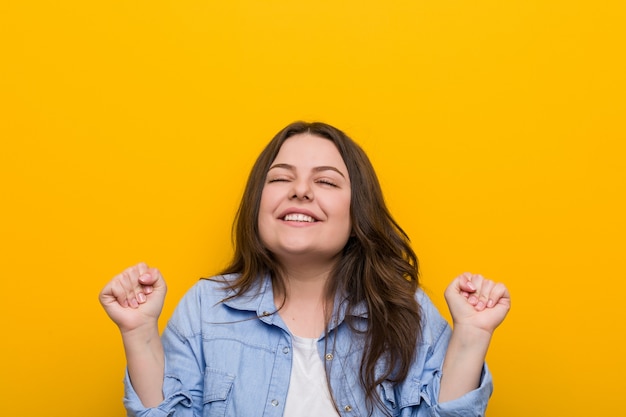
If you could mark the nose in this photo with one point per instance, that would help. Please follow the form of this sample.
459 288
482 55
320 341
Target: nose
301 190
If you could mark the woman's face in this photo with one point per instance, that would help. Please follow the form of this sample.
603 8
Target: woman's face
304 214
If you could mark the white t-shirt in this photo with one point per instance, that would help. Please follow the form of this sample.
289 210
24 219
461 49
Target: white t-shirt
308 393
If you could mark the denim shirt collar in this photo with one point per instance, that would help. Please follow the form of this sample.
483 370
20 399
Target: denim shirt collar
260 299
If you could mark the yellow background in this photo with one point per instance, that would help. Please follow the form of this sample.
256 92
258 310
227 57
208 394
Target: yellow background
497 128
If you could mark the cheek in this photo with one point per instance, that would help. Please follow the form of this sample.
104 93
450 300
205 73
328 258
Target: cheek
264 211
345 214
265 205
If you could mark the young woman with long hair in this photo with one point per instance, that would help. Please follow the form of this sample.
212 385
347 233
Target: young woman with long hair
319 312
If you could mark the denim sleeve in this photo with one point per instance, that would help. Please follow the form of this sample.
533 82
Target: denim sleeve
473 404
184 376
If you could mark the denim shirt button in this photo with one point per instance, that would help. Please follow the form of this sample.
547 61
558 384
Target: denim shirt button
275 403
285 350
348 408
329 356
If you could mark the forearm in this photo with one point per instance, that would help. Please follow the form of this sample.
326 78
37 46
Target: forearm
146 363
463 363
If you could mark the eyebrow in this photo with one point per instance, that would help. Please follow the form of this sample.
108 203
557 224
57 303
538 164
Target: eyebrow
315 169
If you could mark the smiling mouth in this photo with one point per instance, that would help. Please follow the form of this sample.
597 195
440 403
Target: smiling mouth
298 217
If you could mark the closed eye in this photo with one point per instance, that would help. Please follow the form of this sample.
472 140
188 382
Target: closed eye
327 182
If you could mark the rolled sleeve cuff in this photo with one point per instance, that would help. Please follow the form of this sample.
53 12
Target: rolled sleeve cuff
472 404
175 398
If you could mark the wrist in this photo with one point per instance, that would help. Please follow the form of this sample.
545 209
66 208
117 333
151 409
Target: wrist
143 332
471 335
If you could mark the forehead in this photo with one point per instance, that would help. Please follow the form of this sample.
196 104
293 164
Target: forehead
307 150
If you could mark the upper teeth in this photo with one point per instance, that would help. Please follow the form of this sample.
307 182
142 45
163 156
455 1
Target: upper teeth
298 217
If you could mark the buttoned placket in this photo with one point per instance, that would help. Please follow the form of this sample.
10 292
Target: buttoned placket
281 372
341 393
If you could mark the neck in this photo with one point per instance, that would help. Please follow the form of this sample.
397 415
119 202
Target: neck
304 287
306 280
303 307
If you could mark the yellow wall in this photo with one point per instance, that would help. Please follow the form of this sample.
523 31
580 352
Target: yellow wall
497 127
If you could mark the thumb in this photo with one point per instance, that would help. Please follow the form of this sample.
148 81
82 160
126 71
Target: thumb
152 279
461 285
465 284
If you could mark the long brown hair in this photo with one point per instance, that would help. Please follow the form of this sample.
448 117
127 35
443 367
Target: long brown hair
377 266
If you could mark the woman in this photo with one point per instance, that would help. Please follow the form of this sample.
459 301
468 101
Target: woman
319 312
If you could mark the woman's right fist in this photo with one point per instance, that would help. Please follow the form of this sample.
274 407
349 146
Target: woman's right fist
135 297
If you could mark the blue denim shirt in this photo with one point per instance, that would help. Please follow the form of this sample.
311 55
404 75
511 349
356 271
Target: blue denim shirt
234 359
